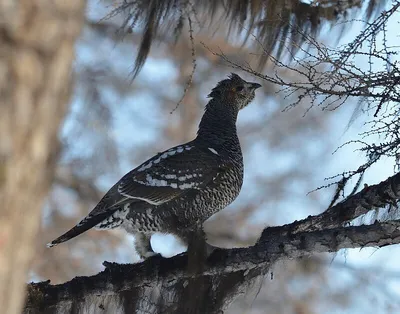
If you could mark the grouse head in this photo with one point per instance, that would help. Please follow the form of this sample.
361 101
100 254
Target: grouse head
235 90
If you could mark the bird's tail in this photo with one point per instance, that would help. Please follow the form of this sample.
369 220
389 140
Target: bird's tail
85 224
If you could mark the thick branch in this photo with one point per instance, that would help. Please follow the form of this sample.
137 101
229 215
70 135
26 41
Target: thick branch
235 265
121 288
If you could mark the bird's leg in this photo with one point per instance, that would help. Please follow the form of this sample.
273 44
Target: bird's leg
197 242
197 249
197 256
143 246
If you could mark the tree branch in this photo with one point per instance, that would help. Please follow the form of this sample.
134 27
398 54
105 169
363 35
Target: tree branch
161 285
371 197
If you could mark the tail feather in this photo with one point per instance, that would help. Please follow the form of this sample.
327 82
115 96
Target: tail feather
85 224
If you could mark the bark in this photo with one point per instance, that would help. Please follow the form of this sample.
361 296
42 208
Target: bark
36 51
166 285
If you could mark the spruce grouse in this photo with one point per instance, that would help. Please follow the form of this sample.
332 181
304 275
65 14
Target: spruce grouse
178 189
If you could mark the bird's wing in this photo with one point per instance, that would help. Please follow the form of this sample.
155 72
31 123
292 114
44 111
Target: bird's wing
171 174
158 180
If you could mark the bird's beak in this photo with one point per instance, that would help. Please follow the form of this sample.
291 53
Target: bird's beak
255 85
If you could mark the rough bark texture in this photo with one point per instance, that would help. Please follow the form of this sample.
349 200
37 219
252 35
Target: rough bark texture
166 285
36 51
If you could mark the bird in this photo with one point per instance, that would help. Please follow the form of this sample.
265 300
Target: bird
178 189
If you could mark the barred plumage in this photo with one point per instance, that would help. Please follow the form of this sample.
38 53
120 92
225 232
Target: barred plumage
180 188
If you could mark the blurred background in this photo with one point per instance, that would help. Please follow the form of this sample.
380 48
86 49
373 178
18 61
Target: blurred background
115 124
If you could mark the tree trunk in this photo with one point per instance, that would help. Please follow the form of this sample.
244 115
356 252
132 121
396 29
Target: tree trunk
36 51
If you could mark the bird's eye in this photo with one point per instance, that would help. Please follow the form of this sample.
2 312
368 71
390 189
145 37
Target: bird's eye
239 88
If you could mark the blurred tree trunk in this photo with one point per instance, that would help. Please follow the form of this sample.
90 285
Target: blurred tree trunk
36 51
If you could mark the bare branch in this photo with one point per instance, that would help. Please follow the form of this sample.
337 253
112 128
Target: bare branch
371 197
160 285
234 265
328 77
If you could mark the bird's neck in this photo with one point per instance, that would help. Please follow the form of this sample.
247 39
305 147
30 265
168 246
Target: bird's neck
218 124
